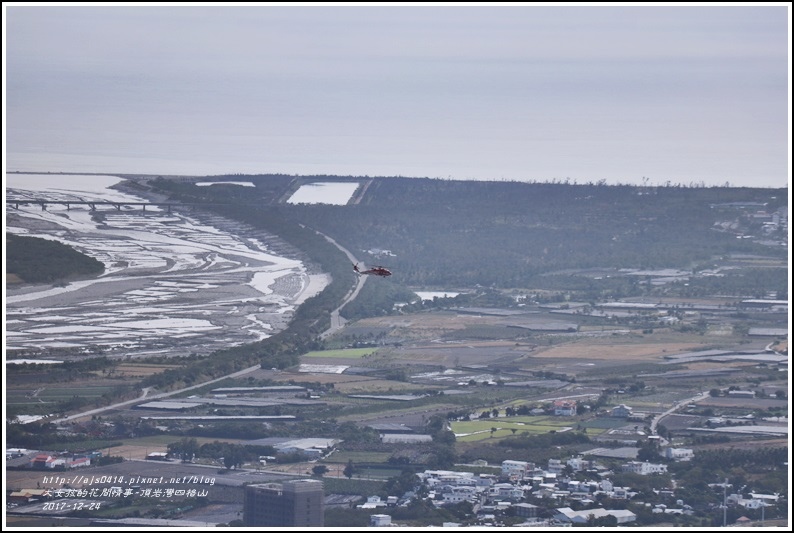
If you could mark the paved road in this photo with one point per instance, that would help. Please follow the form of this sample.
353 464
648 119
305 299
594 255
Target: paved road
337 322
145 396
676 406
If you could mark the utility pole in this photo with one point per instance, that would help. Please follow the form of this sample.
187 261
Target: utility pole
725 503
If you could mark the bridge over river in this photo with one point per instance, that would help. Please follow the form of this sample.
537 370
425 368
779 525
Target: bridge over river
93 205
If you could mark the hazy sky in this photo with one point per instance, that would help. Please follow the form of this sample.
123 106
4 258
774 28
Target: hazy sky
680 94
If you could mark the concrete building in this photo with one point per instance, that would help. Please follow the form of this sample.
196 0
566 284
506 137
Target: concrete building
644 468
402 438
379 520
621 411
292 503
526 510
679 454
517 469
741 393
451 494
506 491
578 464
555 466
564 407
566 514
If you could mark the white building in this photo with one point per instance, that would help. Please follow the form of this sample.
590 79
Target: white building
679 454
768 498
620 493
644 468
373 502
517 469
506 491
578 464
404 438
566 514
44 460
378 520
750 504
437 478
452 494
555 466
741 393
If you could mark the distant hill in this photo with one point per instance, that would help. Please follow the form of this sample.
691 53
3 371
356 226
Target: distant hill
35 260
449 234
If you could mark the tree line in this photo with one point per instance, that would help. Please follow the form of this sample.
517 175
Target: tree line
36 260
508 234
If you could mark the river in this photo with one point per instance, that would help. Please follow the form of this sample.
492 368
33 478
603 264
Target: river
175 283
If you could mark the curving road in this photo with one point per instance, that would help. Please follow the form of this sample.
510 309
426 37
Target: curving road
337 322
676 406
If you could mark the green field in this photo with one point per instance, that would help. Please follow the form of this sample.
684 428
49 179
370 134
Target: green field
165 440
46 399
352 353
604 424
351 486
55 393
65 393
357 457
373 473
480 429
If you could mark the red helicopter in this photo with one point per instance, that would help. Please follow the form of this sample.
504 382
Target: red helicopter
374 271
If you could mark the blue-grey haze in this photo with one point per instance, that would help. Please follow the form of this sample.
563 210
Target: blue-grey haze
634 94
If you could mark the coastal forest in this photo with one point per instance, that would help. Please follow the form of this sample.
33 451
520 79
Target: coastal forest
448 234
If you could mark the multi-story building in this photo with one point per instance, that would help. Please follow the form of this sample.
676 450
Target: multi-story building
555 466
516 469
578 464
459 494
292 503
644 468
526 510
